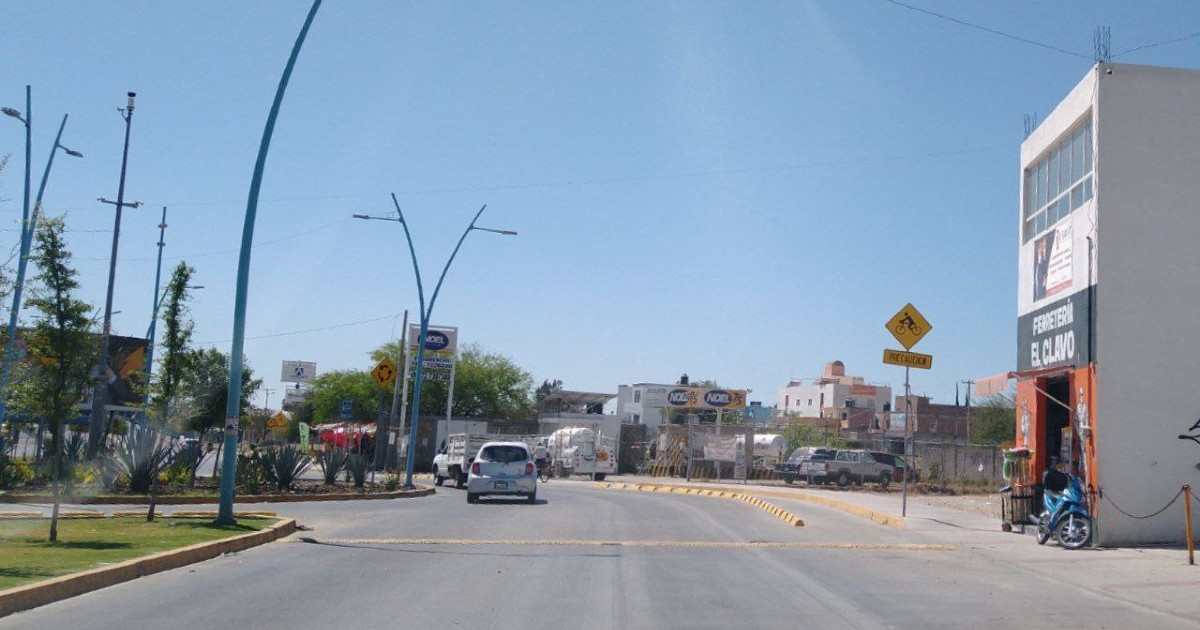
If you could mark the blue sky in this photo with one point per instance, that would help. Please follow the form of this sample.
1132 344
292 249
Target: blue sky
739 191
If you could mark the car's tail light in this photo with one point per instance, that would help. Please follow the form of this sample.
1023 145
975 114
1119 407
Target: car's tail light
528 468
475 468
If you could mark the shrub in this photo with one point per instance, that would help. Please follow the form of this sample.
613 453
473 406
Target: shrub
391 482
332 464
356 465
250 473
141 455
180 471
284 464
14 472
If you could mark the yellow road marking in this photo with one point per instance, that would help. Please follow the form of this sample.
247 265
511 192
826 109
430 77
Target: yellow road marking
679 544
774 510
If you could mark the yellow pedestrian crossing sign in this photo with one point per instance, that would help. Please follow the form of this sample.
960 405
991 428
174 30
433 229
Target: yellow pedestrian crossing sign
384 372
277 421
908 326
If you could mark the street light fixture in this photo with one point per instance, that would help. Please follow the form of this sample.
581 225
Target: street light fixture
29 223
426 312
100 392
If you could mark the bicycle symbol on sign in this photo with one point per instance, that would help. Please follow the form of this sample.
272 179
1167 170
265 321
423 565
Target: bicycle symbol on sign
907 323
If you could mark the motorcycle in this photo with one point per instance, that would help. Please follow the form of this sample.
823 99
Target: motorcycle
1066 517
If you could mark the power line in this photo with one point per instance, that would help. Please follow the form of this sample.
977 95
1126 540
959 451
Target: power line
1157 44
231 251
986 29
599 181
308 330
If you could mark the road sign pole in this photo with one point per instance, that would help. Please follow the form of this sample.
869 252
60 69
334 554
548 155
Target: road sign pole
401 359
907 442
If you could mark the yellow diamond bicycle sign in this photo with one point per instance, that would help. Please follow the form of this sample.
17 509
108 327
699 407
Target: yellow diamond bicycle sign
908 326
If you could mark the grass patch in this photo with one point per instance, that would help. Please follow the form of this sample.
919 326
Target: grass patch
26 556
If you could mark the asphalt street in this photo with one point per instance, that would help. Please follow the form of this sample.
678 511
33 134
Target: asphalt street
585 557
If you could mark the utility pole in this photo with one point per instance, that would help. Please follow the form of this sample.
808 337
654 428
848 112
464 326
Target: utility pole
100 391
968 383
267 402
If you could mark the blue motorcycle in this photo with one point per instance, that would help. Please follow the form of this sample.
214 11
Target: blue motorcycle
1066 516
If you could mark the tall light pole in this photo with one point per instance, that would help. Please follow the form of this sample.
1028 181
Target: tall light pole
27 120
29 223
100 391
426 312
233 404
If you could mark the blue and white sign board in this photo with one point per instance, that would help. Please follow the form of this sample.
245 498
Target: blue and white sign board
439 339
298 372
346 409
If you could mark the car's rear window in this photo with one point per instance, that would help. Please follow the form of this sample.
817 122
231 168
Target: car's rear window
504 454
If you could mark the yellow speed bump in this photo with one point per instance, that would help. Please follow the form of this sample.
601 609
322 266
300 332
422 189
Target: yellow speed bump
773 510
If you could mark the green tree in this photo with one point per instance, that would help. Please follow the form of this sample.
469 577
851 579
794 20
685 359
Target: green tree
61 343
331 388
177 335
800 433
994 422
486 385
546 388
203 391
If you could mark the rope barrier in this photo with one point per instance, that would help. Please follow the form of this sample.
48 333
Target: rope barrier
1151 515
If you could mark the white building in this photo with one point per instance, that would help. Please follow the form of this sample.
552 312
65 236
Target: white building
856 404
1110 184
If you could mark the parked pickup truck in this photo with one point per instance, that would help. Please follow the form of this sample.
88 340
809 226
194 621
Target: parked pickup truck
849 467
800 464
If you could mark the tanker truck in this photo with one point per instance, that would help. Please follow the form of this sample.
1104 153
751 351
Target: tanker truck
581 451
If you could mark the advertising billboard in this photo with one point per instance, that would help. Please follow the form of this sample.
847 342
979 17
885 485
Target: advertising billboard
706 398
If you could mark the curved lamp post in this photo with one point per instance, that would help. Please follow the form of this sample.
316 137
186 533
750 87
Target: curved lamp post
233 403
28 227
426 312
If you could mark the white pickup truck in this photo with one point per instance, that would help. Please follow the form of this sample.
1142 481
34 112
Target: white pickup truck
453 462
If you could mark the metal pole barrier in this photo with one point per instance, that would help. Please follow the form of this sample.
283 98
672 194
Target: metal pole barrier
1187 513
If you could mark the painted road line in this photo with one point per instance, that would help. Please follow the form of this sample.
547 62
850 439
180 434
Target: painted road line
773 510
658 544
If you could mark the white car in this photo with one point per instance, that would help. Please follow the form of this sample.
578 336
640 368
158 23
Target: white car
502 468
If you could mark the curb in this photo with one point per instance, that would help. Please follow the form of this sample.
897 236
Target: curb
59 588
772 509
883 518
422 491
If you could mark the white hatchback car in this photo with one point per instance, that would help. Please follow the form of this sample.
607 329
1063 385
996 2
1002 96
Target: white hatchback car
502 468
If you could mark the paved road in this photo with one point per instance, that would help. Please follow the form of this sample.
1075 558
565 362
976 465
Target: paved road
617 559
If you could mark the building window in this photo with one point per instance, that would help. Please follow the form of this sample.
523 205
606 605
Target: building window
809 402
637 395
1059 182
637 418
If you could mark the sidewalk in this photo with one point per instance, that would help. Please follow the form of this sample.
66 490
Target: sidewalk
1158 578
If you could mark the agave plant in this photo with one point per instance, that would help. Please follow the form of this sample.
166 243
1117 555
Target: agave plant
284 465
332 464
357 467
141 455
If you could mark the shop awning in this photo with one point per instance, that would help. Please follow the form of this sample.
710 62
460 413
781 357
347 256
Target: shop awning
996 384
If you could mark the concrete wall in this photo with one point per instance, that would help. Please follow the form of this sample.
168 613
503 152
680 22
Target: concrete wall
1148 306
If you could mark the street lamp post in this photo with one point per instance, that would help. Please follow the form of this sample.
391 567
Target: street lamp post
100 391
28 226
426 312
233 404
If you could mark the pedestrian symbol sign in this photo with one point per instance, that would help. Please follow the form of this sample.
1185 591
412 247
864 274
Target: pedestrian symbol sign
908 326
277 421
384 372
